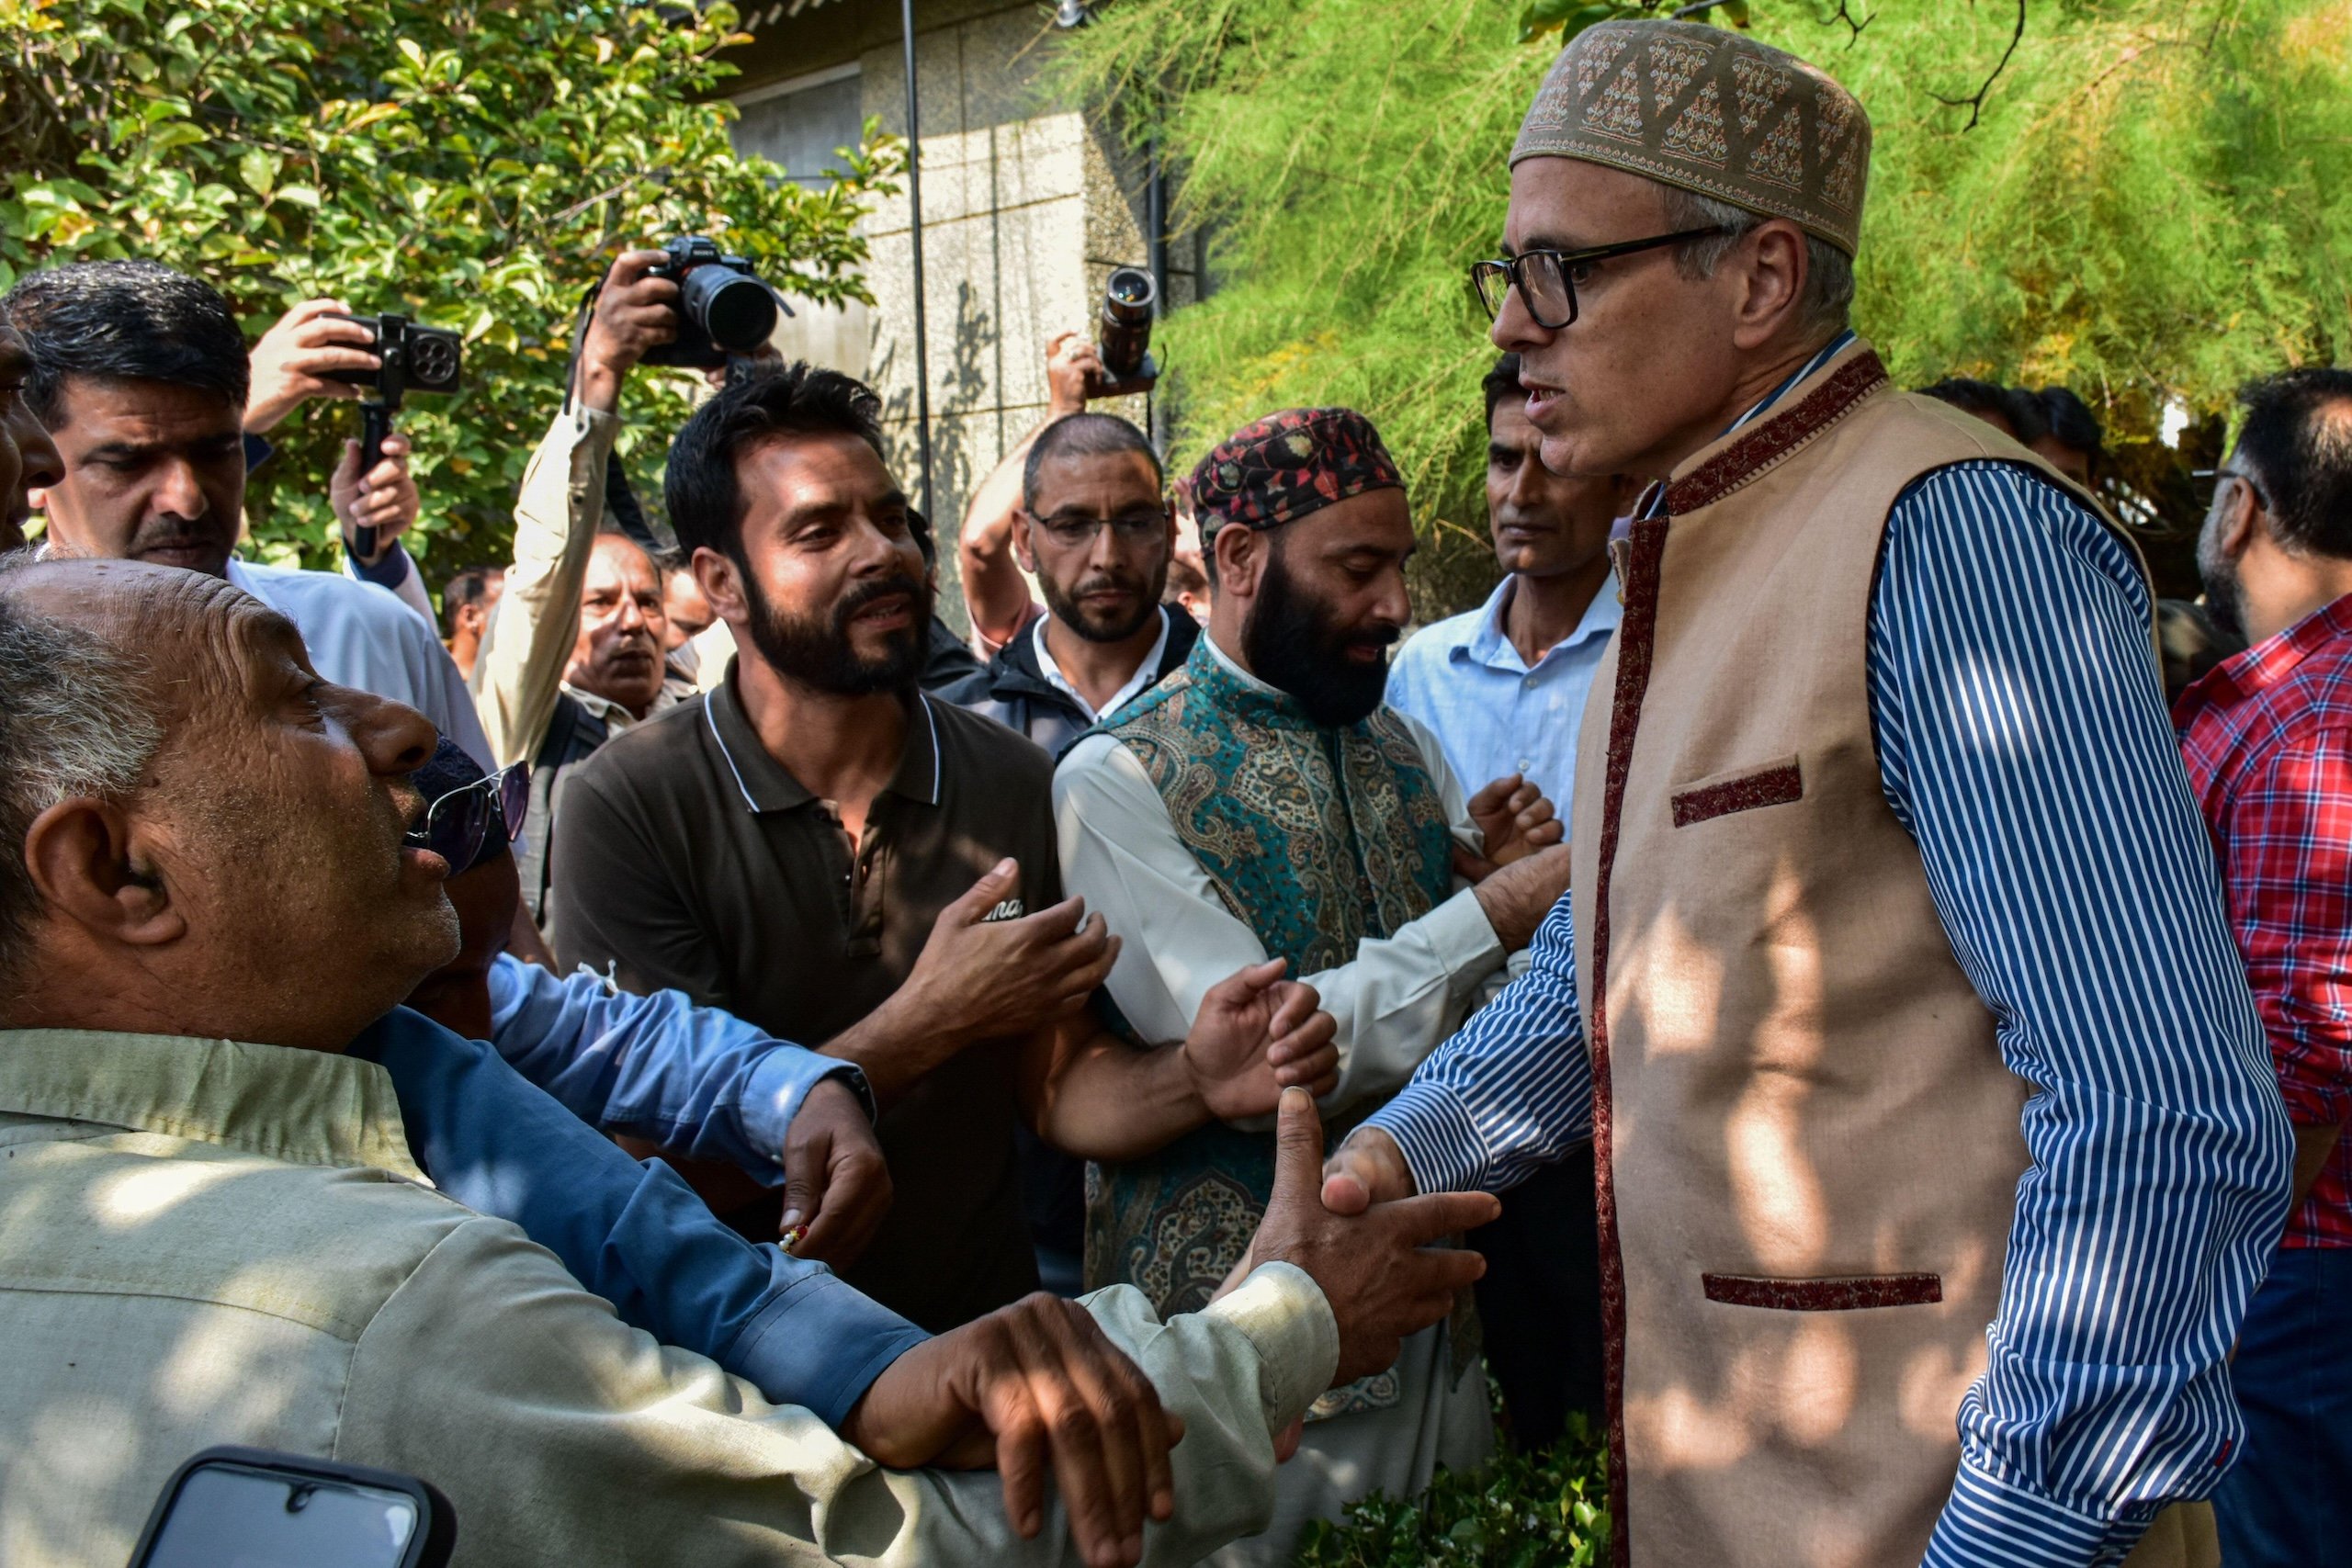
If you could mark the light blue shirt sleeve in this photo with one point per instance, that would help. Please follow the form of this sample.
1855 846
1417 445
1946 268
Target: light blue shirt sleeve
1513 1089
694 1079
2024 744
633 1234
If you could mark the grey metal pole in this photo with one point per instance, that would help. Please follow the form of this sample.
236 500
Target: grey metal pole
1155 223
914 212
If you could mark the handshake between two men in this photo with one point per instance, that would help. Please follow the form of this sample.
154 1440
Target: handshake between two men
1037 1390
238 988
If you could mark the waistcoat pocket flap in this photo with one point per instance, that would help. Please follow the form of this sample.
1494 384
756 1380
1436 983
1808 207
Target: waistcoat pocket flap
1850 1295
1775 783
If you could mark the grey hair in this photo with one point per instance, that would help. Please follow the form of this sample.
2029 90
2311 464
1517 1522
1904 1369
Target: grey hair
1828 271
75 721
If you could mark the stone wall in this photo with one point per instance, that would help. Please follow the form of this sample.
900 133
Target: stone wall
1027 208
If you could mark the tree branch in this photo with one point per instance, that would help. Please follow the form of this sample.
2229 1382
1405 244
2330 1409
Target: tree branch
1853 28
1976 101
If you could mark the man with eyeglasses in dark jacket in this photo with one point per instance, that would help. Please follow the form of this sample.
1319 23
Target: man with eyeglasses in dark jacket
1096 531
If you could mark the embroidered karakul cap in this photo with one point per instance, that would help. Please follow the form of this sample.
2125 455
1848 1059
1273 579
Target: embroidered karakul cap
1713 111
1279 469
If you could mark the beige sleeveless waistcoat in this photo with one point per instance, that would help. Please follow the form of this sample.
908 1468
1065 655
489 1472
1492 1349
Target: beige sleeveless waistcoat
1807 1144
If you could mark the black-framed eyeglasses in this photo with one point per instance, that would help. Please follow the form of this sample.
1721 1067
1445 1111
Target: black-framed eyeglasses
1545 280
456 826
1075 531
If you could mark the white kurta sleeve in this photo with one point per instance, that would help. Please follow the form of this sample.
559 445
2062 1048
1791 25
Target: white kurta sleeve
1397 998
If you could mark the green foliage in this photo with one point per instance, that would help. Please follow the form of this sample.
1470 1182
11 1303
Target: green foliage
2148 208
474 164
1542 1510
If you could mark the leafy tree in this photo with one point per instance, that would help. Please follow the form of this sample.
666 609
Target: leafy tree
2135 197
473 164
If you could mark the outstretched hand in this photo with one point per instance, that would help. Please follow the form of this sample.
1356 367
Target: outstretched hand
1257 1034
1033 1387
1367 1169
1379 1268
996 970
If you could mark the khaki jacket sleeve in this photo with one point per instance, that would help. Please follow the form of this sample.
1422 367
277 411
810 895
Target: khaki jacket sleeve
563 1436
519 670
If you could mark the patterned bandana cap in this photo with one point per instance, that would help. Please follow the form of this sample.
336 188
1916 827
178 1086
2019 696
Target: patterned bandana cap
1713 111
1279 469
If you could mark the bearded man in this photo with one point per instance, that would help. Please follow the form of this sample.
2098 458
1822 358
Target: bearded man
828 852
1936 1155
1259 802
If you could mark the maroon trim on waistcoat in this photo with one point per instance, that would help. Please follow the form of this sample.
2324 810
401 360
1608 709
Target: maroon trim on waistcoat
1780 785
1636 638
1851 1294
1774 438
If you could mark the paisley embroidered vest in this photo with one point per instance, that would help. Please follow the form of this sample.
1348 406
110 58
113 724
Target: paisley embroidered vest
1316 839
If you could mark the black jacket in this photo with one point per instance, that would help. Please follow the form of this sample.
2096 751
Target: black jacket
1015 692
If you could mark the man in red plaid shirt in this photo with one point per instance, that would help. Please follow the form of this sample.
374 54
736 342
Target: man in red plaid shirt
2267 738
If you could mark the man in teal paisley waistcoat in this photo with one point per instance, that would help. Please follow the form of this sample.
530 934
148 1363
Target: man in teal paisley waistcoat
1260 801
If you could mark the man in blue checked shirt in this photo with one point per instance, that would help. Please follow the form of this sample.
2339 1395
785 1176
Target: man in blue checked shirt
1936 1152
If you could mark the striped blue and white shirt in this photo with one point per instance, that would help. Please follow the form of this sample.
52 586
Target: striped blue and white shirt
2023 744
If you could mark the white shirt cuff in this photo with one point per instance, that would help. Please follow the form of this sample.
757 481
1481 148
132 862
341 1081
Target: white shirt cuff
1282 1311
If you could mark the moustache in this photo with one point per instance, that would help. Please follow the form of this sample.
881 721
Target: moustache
858 598
1379 637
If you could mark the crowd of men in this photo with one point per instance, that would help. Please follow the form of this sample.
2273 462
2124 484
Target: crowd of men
635 1066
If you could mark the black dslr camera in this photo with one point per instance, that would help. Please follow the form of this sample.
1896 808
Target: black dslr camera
416 358
723 308
1130 300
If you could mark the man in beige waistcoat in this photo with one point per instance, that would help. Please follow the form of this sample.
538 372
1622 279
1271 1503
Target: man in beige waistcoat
1936 1152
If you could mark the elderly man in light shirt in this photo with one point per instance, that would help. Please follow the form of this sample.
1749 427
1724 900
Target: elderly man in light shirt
211 1227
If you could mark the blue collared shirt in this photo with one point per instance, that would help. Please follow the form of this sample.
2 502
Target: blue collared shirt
691 1079
634 1233
1492 712
2023 744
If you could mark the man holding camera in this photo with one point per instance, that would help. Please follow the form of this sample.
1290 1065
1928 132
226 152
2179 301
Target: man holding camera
319 349
140 375
575 654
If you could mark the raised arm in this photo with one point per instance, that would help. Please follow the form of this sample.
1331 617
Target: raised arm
528 643
994 593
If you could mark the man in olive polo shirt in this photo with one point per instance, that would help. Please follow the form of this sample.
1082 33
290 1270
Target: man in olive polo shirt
820 848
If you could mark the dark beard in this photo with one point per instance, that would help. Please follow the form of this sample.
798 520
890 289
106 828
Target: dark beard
815 649
1292 645
1067 609
2225 602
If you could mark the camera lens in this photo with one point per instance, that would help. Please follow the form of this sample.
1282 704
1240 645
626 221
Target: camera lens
434 360
1126 296
736 312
